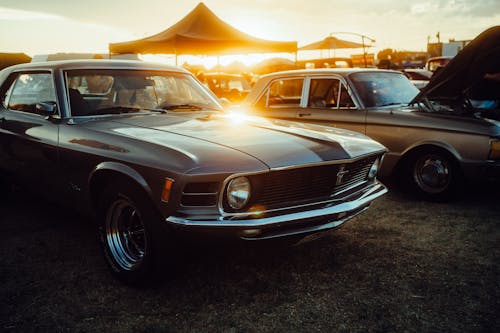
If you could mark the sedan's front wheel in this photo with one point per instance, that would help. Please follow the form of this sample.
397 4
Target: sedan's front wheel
133 239
434 175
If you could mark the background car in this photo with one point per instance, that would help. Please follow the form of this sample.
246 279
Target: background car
418 76
233 87
148 151
432 150
436 63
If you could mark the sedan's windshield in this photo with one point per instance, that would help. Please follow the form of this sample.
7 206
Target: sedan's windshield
378 89
106 91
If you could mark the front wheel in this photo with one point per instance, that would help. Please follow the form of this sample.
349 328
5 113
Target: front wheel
133 240
434 175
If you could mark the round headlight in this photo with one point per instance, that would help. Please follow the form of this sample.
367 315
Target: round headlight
374 169
238 192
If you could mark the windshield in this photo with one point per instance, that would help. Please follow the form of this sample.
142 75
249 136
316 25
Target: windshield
377 89
105 91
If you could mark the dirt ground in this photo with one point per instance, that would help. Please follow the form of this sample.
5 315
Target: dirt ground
403 266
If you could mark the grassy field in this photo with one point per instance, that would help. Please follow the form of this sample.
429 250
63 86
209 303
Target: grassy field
403 266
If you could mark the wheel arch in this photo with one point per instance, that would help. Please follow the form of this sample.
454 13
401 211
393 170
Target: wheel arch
411 152
107 172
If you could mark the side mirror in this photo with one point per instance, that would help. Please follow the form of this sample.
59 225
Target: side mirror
46 108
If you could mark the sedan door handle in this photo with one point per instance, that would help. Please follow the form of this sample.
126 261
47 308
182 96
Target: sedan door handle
304 114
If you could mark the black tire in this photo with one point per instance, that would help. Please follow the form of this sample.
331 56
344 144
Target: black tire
433 174
134 241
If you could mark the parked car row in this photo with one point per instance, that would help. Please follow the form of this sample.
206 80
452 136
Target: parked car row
149 153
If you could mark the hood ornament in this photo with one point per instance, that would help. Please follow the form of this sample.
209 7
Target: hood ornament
340 175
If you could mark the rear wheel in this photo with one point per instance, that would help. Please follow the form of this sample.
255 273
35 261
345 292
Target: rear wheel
133 240
433 174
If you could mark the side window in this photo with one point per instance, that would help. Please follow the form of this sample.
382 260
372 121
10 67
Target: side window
345 100
284 93
329 93
324 93
28 89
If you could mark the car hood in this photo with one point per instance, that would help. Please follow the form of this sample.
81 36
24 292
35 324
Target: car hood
275 143
469 73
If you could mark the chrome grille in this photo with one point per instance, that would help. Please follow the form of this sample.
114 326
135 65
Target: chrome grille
358 171
306 185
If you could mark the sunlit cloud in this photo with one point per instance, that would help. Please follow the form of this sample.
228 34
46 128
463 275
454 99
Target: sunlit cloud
484 8
25 15
54 33
422 8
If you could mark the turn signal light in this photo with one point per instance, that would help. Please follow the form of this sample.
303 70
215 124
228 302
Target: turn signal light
167 188
494 150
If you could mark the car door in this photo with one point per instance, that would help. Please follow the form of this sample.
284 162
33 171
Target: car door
329 102
29 139
281 99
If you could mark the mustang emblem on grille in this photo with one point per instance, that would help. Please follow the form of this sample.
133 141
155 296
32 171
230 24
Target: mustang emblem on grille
340 175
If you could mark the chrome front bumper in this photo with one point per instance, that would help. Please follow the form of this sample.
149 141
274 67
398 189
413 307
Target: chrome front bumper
330 215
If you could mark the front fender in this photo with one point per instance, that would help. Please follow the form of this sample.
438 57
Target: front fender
121 169
392 160
443 145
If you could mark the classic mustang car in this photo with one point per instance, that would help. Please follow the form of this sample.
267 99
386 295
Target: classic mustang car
148 151
436 140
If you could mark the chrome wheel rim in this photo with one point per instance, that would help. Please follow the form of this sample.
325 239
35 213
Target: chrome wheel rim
125 234
432 173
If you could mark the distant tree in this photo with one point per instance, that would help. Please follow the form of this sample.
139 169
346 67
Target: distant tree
394 59
389 54
385 54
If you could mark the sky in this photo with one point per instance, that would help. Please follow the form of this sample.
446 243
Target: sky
50 26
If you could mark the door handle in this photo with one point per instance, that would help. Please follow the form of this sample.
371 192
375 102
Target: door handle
304 114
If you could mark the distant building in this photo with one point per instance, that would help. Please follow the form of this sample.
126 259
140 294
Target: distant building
449 49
